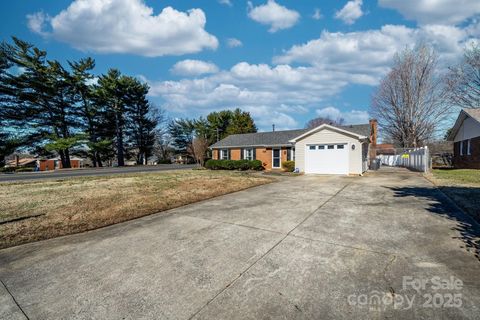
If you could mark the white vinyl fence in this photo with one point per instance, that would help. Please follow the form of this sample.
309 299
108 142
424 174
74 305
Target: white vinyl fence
417 159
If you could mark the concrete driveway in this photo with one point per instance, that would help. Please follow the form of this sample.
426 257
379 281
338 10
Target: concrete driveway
387 245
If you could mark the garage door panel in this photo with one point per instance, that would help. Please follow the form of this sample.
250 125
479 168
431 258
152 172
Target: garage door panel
327 159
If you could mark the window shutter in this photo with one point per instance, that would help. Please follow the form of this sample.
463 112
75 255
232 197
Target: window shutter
241 154
229 154
254 153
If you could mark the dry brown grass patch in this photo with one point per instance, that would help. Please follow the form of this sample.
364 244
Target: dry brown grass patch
31 211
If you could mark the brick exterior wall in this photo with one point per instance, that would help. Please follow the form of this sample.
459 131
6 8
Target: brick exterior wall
262 154
235 154
471 161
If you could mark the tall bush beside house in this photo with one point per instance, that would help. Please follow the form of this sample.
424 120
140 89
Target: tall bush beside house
288 166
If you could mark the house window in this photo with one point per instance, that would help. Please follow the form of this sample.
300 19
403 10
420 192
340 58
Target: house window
321 147
461 148
340 146
248 154
224 154
311 147
331 146
469 150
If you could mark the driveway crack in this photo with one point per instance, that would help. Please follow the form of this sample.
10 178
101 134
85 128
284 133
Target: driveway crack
385 270
14 300
266 253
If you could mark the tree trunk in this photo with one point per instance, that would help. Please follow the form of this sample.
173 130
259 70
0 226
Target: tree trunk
67 164
119 135
62 157
99 160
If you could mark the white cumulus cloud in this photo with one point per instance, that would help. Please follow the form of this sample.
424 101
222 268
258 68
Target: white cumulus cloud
193 68
127 26
276 16
365 56
434 11
350 117
350 12
234 43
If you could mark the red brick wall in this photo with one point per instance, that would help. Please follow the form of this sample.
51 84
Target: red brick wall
235 154
265 155
467 161
262 154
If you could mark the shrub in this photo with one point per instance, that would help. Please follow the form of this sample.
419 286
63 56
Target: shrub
7 169
288 166
256 165
234 164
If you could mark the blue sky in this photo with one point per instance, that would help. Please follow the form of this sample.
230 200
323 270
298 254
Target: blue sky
284 61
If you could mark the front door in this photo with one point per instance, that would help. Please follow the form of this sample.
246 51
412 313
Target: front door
275 158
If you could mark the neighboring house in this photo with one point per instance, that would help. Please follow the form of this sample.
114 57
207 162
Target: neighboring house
386 149
21 162
325 149
56 163
465 135
43 164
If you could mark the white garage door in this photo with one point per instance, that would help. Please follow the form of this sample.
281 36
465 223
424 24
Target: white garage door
327 158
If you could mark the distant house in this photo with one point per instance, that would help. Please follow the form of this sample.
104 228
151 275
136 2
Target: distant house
326 149
386 149
56 163
41 164
466 137
21 162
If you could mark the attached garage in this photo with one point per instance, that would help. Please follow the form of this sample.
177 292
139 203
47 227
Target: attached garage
325 149
331 150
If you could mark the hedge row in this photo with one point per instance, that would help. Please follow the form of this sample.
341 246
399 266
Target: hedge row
234 164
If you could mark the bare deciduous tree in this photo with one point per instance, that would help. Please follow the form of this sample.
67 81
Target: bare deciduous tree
199 149
324 120
409 102
463 81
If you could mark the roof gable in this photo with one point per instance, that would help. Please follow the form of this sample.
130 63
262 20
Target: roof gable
343 130
464 114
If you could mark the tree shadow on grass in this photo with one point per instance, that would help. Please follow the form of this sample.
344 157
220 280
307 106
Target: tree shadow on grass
467 198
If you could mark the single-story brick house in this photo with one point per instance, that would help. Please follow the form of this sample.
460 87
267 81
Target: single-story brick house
326 149
43 164
465 135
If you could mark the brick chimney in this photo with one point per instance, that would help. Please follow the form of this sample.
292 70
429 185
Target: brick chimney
373 138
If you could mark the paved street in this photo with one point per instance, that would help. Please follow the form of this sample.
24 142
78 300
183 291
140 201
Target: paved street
386 245
59 174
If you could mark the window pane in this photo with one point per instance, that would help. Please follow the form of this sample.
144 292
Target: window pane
340 146
331 146
321 147
312 147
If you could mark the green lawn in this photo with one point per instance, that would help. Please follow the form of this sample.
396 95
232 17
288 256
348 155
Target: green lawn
459 176
462 186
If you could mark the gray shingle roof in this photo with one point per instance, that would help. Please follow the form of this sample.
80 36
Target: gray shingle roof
278 138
